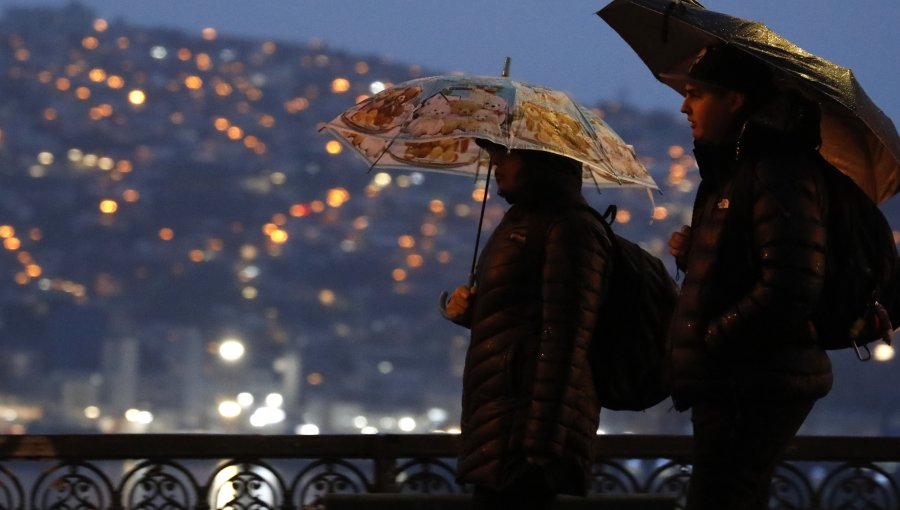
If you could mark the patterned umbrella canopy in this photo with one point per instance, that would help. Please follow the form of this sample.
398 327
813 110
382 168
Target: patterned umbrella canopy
431 123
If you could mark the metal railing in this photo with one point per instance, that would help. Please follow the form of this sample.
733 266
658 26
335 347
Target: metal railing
199 471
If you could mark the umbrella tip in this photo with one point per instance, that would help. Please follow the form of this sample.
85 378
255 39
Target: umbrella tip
505 72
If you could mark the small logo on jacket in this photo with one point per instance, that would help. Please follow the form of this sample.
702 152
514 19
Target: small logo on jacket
723 204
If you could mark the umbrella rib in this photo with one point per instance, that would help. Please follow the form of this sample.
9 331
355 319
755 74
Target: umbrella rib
381 154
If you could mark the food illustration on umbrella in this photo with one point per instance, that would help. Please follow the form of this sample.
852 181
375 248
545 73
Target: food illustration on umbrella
453 111
383 112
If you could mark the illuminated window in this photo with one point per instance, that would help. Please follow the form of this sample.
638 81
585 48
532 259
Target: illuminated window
660 213
12 243
279 236
337 197
267 121
326 297
115 82
193 82
414 260
108 206
297 104
299 210
97 75
90 43
137 97
235 133
340 85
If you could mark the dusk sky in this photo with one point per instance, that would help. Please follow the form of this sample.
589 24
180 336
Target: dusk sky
558 43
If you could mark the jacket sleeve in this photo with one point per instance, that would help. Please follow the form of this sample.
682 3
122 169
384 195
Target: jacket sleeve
573 283
788 240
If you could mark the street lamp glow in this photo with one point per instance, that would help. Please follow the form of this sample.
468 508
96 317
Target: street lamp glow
138 416
407 424
229 409
308 429
436 414
245 399
274 400
883 352
267 416
231 350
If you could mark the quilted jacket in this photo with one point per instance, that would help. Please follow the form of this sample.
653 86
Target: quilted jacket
755 268
528 396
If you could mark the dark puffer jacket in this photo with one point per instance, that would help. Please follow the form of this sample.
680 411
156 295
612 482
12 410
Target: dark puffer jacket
755 268
528 396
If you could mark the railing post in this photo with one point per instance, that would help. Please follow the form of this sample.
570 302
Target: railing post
385 476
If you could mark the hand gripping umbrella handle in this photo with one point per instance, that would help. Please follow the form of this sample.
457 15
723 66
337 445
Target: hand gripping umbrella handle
443 299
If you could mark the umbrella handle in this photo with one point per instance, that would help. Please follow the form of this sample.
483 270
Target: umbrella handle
443 299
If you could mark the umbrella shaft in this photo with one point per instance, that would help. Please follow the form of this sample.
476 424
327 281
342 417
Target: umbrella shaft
487 184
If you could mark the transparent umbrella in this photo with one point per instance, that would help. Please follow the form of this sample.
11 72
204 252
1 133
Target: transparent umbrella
432 123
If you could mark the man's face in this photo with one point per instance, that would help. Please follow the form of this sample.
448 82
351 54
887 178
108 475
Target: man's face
508 173
711 111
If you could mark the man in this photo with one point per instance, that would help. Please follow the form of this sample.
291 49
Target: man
744 355
529 408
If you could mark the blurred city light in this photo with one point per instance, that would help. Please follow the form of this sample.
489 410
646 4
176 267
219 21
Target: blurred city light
231 350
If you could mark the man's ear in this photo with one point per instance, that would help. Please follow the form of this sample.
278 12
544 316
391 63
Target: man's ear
736 101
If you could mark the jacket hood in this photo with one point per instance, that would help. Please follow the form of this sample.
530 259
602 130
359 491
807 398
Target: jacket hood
787 119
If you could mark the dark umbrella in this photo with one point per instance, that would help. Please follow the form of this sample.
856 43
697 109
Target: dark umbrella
857 137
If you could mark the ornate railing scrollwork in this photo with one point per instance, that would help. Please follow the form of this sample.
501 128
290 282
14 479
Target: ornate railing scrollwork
426 476
204 472
12 496
73 485
151 485
856 486
329 476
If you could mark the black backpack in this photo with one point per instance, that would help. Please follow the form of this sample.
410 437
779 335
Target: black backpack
628 352
862 272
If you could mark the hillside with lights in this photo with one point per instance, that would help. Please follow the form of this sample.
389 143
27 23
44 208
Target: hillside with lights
184 251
